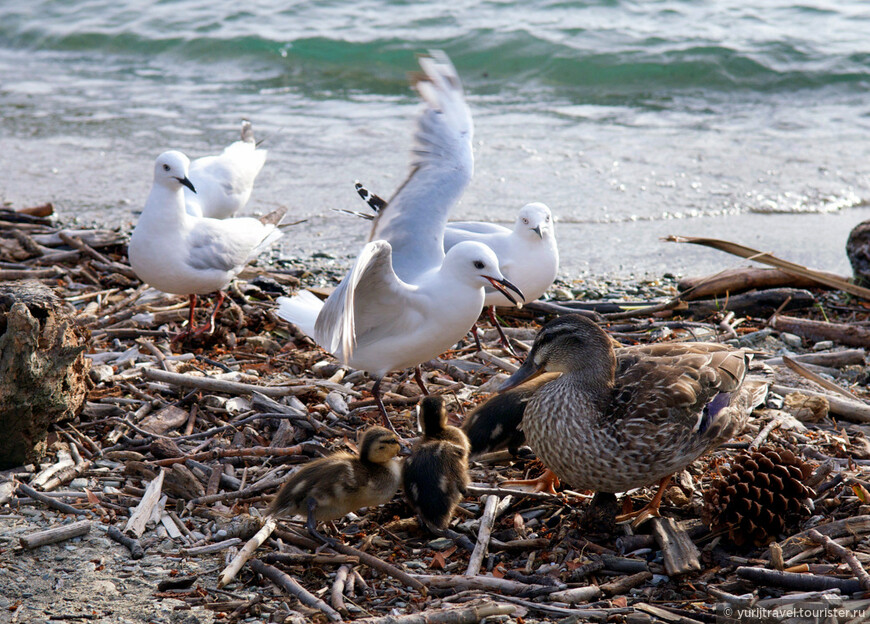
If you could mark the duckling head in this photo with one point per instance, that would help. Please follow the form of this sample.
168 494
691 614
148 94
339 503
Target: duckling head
431 415
378 446
570 344
534 221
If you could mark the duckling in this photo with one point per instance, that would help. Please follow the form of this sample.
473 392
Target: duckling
330 487
617 421
495 424
435 476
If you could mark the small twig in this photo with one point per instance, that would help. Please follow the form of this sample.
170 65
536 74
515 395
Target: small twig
133 545
486 522
288 584
47 500
843 553
337 591
247 552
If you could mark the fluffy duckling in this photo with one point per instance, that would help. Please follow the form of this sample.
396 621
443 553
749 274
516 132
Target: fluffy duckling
617 421
495 424
435 476
330 487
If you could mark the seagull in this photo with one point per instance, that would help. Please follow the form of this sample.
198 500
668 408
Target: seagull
224 182
405 301
186 255
527 254
376 322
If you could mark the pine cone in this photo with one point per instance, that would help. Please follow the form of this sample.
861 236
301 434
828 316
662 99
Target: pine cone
759 495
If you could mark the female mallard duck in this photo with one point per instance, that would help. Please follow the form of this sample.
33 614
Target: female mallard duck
495 424
613 422
330 487
435 476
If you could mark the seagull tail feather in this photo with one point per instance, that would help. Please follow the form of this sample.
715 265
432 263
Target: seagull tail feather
301 310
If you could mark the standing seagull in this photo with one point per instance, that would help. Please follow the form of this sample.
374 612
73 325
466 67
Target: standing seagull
405 301
186 255
527 254
224 182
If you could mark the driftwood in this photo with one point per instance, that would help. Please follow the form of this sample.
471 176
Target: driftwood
843 553
42 367
846 334
56 534
826 279
133 545
464 615
246 552
145 509
289 584
857 525
54 504
483 534
680 553
738 280
795 581
850 409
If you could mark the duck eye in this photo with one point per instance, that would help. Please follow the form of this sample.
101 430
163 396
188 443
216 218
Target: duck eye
478 264
165 167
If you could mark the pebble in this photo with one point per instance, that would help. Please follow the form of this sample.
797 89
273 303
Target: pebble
823 345
791 340
441 543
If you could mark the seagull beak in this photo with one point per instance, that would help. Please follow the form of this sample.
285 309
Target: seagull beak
537 230
524 373
501 285
186 182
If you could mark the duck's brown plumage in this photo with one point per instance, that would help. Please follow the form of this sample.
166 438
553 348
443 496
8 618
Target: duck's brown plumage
343 482
858 250
435 476
619 420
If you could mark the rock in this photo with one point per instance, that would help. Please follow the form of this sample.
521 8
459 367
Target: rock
42 366
791 340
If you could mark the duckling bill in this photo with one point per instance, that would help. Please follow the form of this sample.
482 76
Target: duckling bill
330 487
435 476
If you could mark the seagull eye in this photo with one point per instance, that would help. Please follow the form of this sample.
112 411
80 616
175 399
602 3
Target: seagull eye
526 221
165 167
547 219
478 264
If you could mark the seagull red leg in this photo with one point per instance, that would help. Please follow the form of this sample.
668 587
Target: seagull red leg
504 339
209 328
376 393
187 332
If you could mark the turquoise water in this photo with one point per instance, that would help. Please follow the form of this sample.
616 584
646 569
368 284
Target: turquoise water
632 120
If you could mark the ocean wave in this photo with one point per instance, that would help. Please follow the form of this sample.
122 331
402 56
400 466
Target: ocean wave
489 61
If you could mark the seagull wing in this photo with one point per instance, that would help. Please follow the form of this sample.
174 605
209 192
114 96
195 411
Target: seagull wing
367 298
442 164
475 227
229 244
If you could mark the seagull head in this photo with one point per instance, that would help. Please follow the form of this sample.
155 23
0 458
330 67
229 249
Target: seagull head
477 263
171 169
534 220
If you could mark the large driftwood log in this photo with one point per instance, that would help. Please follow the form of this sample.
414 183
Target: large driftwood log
733 281
42 366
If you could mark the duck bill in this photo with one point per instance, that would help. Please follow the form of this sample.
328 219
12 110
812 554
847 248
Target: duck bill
501 285
186 182
528 371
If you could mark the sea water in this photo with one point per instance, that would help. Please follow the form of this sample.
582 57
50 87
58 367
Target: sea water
632 120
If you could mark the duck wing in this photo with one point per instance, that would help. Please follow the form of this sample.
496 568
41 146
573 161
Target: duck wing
687 389
414 219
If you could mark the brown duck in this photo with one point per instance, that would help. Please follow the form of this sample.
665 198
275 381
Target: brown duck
616 421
